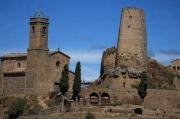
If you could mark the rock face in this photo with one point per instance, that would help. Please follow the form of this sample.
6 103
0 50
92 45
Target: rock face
132 40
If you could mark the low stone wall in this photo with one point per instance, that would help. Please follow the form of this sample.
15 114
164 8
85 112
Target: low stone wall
165 99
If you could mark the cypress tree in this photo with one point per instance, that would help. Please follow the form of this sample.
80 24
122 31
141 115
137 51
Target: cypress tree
102 68
77 81
64 81
142 88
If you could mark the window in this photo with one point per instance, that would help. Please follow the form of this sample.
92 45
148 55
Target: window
57 63
130 17
174 67
33 29
178 68
44 30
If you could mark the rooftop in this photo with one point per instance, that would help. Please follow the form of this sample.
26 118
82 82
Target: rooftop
39 14
24 55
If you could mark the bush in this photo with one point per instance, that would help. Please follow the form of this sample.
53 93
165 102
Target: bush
35 110
89 115
16 109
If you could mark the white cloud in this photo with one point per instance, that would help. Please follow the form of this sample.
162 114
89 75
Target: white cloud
165 58
85 56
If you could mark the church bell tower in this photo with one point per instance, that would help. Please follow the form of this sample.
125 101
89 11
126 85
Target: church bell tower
38 55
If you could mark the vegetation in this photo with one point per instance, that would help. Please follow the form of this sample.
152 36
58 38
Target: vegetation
34 110
102 67
89 115
17 108
160 77
77 81
64 81
142 88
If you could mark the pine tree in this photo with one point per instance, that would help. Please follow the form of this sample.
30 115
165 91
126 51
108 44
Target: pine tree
142 88
64 81
77 81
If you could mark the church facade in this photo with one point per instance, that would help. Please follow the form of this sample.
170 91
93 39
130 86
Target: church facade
38 70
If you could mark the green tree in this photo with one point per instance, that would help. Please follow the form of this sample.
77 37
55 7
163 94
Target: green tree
142 88
89 115
102 67
77 81
64 81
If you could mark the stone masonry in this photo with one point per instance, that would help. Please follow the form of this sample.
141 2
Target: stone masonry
132 40
38 70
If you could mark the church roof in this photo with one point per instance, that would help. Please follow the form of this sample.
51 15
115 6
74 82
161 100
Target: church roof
24 55
39 14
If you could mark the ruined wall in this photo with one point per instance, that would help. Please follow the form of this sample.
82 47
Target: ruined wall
132 41
164 99
108 59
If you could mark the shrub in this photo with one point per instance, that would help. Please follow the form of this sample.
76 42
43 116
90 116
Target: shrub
89 115
34 110
16 109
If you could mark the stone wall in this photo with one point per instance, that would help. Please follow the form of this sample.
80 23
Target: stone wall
57 62
14 83
175 65
164 99
14 65
108 59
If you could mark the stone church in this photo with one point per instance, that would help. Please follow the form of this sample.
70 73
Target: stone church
38 70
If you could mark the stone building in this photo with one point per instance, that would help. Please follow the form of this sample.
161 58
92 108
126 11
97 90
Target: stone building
175 65
38 70
124 64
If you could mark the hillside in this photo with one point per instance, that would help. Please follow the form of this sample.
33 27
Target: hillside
160 77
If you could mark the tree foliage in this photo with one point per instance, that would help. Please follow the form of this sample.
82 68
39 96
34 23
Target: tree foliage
64 81
102 67
77 81
142 88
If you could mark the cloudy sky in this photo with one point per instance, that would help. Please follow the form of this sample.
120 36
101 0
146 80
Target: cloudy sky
84 28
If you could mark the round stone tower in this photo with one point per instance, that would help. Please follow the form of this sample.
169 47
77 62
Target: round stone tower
132 40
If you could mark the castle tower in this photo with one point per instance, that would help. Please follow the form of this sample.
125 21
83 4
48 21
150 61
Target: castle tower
132 40
37 77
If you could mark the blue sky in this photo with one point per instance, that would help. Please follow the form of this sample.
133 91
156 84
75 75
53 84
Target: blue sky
84 28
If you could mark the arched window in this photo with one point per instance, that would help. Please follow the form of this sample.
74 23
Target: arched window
44 29
57 63
33 29
105 98
94 98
